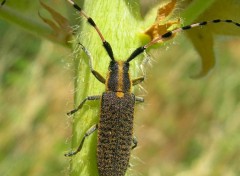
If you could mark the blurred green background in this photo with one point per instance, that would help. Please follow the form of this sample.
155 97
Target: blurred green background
185 127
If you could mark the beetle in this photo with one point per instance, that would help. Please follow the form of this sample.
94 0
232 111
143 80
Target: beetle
115 127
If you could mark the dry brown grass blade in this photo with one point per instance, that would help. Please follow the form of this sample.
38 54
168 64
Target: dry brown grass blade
62 30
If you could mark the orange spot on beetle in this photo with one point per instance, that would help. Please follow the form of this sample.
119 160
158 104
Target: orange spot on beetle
120 94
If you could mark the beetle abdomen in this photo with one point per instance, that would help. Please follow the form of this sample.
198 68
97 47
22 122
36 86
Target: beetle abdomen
115 133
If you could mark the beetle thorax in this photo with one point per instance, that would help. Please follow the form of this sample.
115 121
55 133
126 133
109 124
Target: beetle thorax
118 79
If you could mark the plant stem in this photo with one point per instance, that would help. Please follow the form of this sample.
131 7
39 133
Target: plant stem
118 21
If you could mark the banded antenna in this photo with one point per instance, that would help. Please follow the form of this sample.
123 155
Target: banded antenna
161 38
169 34
106 45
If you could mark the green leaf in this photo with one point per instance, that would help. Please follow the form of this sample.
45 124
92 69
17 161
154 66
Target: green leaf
203 38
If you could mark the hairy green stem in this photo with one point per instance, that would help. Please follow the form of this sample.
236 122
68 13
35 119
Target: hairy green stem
118 21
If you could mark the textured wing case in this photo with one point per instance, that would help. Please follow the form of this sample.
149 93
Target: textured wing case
115 133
